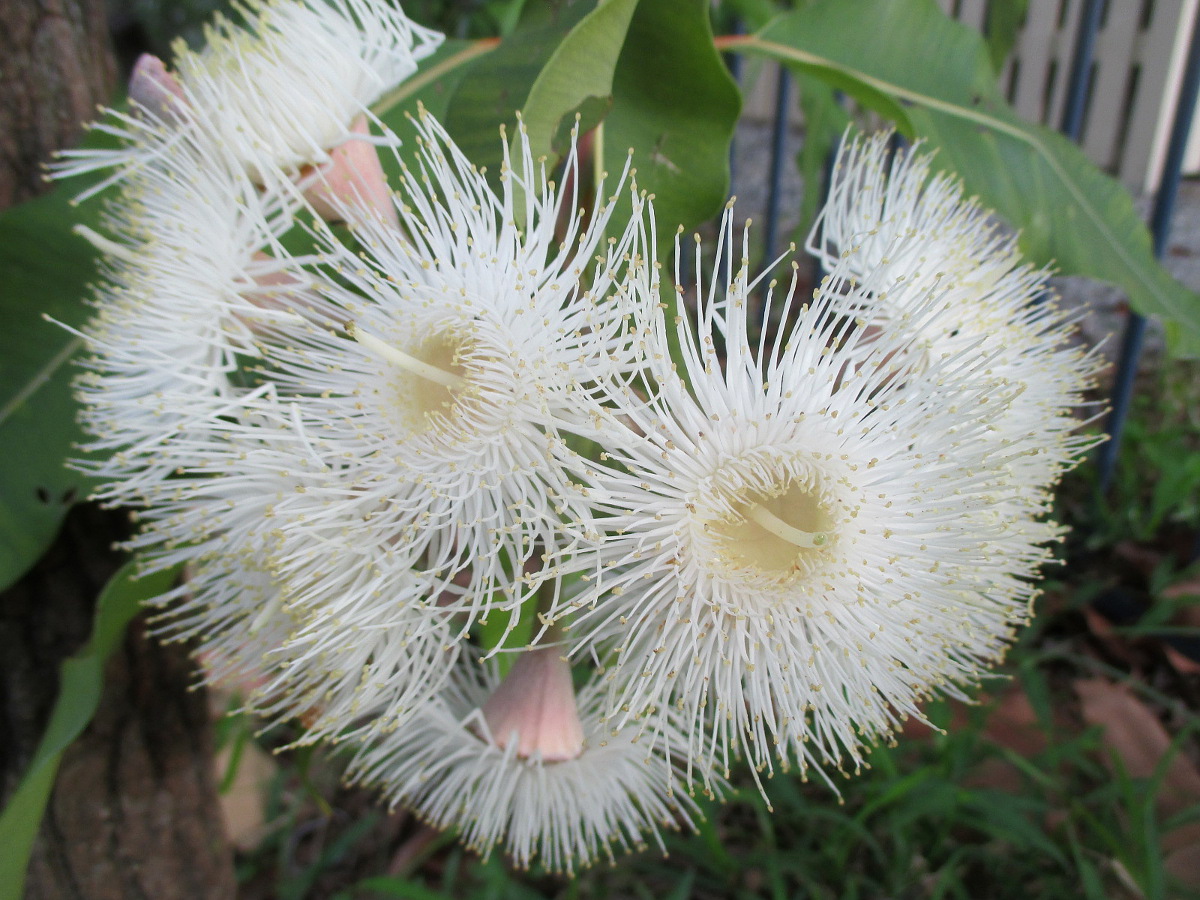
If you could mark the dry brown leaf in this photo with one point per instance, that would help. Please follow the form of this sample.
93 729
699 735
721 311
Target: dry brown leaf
1186 587
1012 723
1115 645
1144 559
1136 736
1182 663
1184 864
1182 848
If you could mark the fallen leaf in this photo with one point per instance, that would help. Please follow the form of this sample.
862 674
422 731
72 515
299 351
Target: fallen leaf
1135 735
1144 559
1115 645
1012 723
1182 663
1138 739
1184 864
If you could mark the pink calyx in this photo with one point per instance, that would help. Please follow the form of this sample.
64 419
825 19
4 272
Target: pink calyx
535 705
155 89
352 180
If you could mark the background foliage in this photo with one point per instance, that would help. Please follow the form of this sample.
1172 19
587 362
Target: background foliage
1040 804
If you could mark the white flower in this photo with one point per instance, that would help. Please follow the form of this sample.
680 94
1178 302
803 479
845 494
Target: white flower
903 233
276 93
454 768
276 593
196 269
805 545
471 351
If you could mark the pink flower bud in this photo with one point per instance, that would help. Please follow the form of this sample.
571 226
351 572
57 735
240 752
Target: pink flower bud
535 705
155 89
353 179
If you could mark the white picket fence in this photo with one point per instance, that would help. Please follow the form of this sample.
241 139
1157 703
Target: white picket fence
1140 53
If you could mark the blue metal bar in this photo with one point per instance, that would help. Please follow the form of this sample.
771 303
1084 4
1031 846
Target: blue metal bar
687 261
1160 229
1081 68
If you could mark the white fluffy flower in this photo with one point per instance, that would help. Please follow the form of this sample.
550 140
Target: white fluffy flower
277 92
451 767
905 233
807 542
471 350
196 269
274 591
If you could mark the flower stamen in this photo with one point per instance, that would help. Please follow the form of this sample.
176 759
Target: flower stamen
403 360
807 539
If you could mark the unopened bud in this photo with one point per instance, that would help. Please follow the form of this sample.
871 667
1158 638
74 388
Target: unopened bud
535 706
156 90
351 181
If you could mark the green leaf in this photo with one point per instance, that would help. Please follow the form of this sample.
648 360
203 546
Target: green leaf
435 82
498 631
753 13
44 270
434 86
676 105
1070 214
1003 27
580 69
505 13
824 122
389 886
79 694
497 86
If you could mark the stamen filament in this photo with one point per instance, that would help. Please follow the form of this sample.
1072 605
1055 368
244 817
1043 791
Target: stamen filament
403 360
269 609
781 529
104 245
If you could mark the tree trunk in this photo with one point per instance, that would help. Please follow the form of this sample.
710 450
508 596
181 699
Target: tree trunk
56 66
134 811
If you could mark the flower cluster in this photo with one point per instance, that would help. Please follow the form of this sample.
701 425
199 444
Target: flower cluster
456 490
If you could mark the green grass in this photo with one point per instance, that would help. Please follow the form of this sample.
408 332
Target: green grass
924 821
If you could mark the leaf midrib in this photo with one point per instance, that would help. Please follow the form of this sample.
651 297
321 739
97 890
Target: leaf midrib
39 379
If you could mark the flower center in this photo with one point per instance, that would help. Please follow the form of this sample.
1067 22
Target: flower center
778 534
435 362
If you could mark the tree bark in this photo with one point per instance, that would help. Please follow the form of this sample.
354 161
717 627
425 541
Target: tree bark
56 66
134 811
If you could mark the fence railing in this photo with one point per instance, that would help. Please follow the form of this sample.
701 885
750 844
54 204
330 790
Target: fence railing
1137 59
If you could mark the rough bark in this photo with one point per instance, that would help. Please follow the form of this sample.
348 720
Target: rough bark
134 811
56 66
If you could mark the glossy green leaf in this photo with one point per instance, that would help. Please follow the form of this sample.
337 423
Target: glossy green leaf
1003 27
434 83
581 69
391 886
754 14
676 106
1070 214
44 271
825 121
434 86
495 632
79 695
